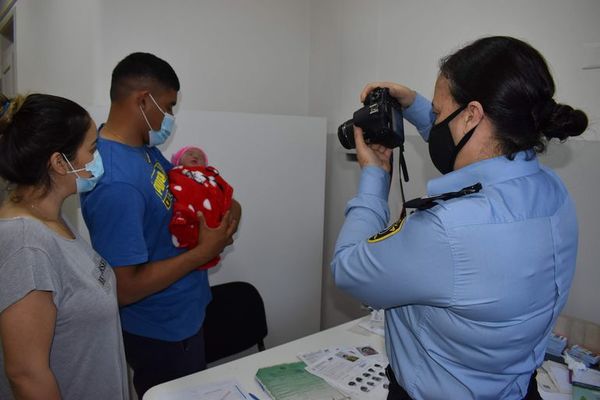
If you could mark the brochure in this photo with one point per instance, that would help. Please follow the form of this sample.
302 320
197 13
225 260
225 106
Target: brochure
292 382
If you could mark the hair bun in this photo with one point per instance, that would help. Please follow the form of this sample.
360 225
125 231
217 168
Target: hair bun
562 121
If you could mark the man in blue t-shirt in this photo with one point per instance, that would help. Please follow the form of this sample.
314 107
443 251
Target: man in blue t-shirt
162 295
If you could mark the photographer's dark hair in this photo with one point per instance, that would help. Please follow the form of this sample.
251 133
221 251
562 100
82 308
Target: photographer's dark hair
512 82
34 127
137 70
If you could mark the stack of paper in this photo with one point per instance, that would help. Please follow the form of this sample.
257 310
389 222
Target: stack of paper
584 355
556 344
293 382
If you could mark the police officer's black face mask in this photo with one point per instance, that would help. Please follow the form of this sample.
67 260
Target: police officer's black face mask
442 149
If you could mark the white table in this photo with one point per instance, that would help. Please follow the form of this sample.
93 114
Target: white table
244 369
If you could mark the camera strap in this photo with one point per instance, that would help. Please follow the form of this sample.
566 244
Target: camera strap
425 203
402 171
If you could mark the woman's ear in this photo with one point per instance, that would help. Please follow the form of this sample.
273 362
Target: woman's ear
58 164
474 115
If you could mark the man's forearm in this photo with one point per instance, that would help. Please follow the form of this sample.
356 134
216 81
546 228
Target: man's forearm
138 281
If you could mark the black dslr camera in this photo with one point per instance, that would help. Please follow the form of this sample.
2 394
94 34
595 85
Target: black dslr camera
380 120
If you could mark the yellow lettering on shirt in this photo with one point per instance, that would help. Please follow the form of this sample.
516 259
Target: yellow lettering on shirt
160 182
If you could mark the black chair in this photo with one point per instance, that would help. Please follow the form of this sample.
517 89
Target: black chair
235 320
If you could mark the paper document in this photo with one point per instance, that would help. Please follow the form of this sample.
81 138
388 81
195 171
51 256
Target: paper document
292 382
375 323
357 371
589 378
553 381
225 390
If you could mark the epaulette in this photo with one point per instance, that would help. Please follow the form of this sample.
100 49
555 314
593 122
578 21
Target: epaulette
424 203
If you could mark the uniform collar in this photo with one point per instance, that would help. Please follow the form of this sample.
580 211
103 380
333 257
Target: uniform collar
487 172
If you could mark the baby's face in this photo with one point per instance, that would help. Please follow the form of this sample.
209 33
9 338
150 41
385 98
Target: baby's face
193 158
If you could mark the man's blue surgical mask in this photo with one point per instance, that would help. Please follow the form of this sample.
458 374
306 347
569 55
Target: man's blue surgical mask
95 167
156 138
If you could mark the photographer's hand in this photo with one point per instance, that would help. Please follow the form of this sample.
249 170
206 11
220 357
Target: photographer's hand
374 154
403 94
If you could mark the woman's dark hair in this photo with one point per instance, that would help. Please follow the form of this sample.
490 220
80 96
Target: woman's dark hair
512 82
34 127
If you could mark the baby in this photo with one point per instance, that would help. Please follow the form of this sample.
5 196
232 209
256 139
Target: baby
196 187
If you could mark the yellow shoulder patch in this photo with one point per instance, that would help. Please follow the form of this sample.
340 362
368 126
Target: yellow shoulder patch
390 231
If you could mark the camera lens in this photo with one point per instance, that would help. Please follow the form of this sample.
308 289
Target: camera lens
346 134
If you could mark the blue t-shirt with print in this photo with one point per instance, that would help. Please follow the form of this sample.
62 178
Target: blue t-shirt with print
128 215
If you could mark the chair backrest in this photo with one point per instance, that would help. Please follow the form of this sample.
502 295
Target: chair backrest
235 320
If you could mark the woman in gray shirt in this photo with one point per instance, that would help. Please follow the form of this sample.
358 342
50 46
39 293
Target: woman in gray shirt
59 318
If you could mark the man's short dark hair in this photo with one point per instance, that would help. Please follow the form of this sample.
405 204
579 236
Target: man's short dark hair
140 70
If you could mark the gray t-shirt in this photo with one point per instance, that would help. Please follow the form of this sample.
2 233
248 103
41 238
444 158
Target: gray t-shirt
87 356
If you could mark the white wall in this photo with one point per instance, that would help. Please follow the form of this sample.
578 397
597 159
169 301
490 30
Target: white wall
231 55
54 47
354 42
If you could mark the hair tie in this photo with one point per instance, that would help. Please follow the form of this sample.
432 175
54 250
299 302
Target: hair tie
5 107
548 109
542 112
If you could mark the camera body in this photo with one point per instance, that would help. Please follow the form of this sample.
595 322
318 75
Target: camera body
380 119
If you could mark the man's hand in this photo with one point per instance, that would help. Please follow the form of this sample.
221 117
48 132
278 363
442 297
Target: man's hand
403 94
236 213
374 154
212 241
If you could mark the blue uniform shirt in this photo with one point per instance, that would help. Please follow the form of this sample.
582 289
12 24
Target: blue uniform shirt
128 215
471 287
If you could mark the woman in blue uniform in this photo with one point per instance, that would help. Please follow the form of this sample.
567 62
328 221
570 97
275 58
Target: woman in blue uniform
472 286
